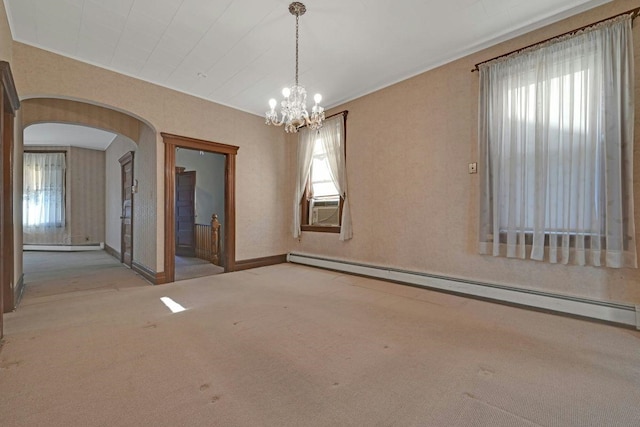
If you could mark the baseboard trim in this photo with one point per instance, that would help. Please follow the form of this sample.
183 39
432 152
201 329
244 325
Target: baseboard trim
149 275
64 248
615 313
19 291
108 249
247 264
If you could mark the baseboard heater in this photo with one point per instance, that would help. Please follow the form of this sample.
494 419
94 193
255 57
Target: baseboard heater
64 248
622 314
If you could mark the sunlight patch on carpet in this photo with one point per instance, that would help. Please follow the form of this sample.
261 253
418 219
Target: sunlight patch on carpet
173 306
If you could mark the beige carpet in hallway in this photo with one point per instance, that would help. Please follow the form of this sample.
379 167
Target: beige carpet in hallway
294 346
64 274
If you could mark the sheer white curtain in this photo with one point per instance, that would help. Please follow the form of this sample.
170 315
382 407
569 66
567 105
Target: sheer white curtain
556 147
44 193
306 142
332 136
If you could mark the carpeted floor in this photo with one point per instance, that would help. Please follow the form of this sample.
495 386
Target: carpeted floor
191 267
294 346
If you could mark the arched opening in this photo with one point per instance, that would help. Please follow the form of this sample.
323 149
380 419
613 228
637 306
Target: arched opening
95 191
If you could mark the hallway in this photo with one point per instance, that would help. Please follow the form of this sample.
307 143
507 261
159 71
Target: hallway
63 275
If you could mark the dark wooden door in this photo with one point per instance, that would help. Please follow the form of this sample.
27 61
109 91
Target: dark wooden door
185 213
126 218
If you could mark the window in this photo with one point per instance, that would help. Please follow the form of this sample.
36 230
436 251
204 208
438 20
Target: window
556 140
322 201
43 196
321 192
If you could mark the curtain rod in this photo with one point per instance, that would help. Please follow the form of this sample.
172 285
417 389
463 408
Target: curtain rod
55 151
633 12
345 112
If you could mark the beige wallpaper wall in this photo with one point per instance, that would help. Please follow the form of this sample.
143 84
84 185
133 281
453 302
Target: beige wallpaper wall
262 161
35 110
413 202
17 203
148 228
86 186
84 216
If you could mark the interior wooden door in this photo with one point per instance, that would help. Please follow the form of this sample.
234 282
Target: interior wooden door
126 218
185 213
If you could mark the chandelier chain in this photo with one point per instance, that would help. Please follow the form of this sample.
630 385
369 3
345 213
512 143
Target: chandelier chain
297 18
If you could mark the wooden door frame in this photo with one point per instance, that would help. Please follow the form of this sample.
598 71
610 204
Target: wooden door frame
229 151
9 104
127 157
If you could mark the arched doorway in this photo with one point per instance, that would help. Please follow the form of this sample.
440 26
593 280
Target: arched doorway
134 135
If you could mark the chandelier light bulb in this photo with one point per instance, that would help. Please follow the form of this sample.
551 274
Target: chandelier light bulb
286 92
317 98
273 103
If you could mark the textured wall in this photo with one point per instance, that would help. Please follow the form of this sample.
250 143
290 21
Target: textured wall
148 229
85 199
113 195
262 160
17 202
86 186
36 110
415 206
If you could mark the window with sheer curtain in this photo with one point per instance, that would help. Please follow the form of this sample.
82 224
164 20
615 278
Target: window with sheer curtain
43 199
321 201
556 147
322 198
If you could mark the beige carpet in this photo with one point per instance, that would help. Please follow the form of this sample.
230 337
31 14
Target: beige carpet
191 267
294 346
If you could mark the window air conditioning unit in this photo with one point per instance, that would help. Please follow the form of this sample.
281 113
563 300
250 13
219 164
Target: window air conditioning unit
325 215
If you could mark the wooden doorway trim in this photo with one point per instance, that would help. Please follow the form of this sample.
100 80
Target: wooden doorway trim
229 151
9 104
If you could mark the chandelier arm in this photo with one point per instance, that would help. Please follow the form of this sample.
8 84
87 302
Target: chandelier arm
278 123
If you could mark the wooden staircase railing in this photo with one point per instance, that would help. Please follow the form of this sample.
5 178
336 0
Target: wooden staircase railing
208 242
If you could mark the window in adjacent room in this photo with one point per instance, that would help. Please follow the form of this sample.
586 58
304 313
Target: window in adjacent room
556 144
43 199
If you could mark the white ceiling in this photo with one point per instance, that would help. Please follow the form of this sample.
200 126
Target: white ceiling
47 134
246 48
